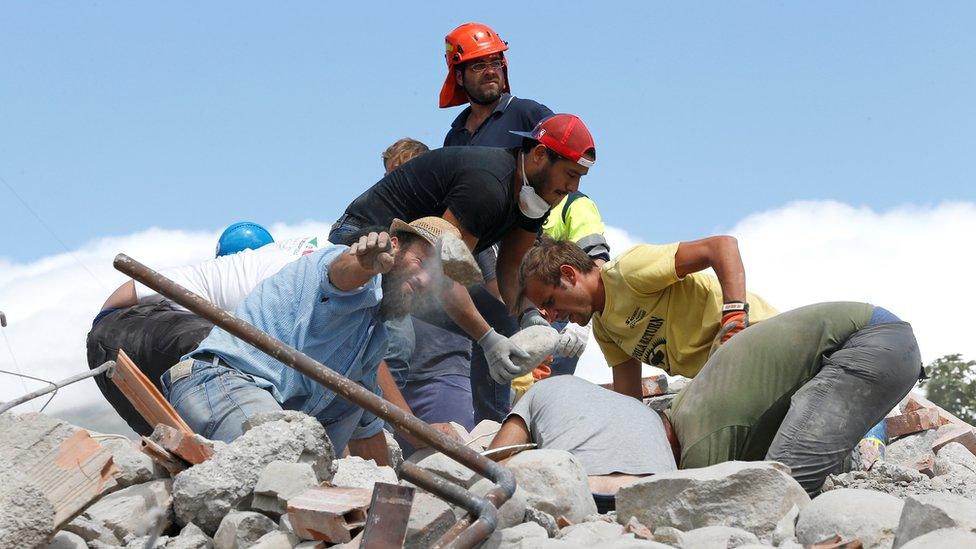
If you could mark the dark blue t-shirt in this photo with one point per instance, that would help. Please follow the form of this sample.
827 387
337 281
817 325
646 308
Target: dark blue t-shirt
511 113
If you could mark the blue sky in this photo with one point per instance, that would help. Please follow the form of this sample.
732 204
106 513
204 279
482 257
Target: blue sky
116 117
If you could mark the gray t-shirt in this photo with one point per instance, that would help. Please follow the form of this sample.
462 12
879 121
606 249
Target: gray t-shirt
606 431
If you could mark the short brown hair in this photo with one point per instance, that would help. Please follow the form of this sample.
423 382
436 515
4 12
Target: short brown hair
544 259
400 152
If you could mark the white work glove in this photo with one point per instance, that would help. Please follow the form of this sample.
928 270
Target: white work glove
532 317
572 341
375 252
498 352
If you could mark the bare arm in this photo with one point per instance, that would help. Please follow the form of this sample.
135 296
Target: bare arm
457 301
721 253
511 251
513 431
372 255
627 378
373 448
123 296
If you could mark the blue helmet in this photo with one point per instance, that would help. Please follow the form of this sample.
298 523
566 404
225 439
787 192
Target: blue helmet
244 235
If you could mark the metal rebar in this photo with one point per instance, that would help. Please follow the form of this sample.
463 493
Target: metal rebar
407 423
55 385
471 533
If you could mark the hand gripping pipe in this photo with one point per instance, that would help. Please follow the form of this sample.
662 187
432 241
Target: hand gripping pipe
466 533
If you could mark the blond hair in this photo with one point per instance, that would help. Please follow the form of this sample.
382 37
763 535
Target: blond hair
401 151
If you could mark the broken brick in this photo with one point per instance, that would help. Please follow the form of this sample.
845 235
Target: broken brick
563 522
329 513
924 465
963 435
74 474
193 449
173 464
640 531
922 419
144 396
836 542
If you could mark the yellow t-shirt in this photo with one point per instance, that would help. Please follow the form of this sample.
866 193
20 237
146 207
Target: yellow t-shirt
652 315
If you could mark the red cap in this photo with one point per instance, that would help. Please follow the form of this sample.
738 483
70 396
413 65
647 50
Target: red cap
566 135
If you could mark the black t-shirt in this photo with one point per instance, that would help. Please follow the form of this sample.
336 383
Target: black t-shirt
476 183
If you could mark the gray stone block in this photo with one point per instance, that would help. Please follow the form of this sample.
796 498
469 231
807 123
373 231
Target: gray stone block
357 472
926 513
869 516
553 481
241 529
279 481
429 519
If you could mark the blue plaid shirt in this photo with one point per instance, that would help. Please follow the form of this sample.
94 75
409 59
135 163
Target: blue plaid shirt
300 307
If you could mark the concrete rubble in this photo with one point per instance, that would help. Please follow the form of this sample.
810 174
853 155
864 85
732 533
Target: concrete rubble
280 486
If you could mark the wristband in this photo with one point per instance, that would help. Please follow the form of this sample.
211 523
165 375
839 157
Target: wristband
735 306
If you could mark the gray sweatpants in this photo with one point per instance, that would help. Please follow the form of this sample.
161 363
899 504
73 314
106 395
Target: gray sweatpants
856 386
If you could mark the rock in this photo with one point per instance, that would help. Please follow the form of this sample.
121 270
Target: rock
276 540
543 519
955 459
514 536
136 467
429 519
449 469
204 493
553 481
945 538
538 342
456 260
396 453
91 531
512 512
357 472
717 537
66 540
241 529
660 403
191 537
279 481
753 496
669 535
786 527
925 513
869 516
591 533
134 511
483 433
28 437
26 516
907 450
640 531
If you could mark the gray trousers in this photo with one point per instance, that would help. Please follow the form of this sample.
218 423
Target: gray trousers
856 386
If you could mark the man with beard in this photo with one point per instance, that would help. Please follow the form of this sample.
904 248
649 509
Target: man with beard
329 305
493 196
477 74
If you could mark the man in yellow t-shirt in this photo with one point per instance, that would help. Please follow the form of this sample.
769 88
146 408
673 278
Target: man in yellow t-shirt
651 304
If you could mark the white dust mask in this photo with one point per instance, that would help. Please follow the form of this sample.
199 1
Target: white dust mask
531 204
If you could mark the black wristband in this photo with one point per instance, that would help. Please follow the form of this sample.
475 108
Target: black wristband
733 306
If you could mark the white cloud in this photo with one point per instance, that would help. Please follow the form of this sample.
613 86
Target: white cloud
915 261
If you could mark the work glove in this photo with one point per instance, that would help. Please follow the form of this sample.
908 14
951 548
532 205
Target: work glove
571 342
375 252
498 352
532 317
733 322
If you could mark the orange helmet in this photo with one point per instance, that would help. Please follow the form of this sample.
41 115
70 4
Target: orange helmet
467 42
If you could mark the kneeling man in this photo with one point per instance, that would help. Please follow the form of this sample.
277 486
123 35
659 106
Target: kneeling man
800 388
331 306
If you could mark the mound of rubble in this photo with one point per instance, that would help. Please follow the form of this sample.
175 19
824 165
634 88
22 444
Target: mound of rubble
281 485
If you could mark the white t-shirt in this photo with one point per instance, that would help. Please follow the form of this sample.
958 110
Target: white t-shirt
225 281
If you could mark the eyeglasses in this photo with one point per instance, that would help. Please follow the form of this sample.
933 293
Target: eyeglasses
482 66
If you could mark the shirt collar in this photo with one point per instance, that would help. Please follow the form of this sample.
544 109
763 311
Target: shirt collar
503 103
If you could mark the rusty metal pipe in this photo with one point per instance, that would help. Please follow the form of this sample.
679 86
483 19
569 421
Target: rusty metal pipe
503 478
471 533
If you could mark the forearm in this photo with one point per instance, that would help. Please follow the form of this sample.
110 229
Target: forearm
458 304
373 448
729 270
513 431
123 296
346 273
627 379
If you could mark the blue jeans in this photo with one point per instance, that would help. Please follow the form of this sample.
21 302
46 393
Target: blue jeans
343 228
215 401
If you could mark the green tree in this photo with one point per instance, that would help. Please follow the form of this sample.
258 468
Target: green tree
952 385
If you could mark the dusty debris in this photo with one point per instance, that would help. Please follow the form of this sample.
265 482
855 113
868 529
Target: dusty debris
457 261
241 529
279 481
429 519
357 472
929 512
193 449
329 513
553 481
